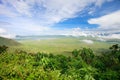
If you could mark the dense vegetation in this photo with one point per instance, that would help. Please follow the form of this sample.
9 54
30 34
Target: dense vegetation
82 65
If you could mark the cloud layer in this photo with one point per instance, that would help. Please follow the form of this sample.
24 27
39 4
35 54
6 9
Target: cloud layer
48 11
3 33
108 24
38 16
110 21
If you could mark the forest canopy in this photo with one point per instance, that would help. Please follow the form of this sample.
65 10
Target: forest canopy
83 64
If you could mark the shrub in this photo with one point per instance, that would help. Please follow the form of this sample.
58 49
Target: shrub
3 49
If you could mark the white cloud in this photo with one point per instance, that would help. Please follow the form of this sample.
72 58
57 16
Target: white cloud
88 41
78 32
100 2
17 7
4 10
108 24
33 27
7 35
3 33
112 36
100 34
49 11
2 30
60 10
110 21
46 13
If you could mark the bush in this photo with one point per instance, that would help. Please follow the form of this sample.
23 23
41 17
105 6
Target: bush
3 49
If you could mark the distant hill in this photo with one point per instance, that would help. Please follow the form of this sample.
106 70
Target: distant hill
8 42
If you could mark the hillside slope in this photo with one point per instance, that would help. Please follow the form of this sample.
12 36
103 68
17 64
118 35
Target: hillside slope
8 42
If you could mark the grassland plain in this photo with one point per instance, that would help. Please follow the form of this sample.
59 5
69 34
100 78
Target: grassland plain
59 45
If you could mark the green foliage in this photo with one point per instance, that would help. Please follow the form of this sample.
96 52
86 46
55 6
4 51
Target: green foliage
82 65
87 55
115 51
75 53
3 49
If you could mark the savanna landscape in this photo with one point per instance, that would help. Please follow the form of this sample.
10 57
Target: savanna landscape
59 59
59 40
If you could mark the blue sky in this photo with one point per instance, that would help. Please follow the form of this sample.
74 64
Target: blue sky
58 17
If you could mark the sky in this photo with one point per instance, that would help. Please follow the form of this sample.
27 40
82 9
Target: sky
59 17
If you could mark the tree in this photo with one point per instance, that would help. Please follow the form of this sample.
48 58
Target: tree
75 52
87 55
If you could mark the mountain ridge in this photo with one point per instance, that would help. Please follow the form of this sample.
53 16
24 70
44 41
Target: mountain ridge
8 42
